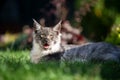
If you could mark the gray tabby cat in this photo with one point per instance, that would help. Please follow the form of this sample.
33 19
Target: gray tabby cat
47 46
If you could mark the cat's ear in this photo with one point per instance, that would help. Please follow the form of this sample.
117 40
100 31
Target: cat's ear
58 26
36 25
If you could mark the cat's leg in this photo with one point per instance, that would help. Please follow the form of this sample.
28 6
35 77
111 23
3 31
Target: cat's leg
35 56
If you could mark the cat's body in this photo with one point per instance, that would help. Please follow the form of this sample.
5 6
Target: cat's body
47 46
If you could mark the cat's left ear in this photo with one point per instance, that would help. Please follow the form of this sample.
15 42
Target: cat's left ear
36 25
58 26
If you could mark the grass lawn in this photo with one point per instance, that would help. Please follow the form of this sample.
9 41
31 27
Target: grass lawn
15 65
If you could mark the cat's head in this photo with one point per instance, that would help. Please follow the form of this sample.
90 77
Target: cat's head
47 38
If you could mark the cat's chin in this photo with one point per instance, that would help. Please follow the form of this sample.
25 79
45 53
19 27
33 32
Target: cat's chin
46 49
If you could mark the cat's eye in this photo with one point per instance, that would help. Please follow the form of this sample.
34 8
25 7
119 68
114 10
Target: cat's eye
42 35
51 36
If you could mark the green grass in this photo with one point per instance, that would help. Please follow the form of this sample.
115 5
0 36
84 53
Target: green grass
15 65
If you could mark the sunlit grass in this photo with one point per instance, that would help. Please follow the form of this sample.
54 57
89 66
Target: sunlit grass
16 65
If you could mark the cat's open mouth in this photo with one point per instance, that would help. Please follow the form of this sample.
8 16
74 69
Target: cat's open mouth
46 46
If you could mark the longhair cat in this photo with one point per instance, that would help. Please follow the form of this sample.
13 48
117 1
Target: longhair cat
47 45
45 41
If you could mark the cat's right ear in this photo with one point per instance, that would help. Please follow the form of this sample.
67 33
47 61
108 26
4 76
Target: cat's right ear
36 25
58 26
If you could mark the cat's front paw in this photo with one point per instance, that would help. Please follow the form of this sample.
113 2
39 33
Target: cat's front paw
35 59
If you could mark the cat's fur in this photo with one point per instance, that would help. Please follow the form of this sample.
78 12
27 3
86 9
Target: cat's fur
47 46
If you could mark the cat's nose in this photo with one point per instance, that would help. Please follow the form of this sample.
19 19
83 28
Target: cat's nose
45 41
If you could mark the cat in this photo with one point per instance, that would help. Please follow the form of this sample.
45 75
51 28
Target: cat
47 46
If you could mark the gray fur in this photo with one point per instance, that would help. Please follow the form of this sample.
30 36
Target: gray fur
92 52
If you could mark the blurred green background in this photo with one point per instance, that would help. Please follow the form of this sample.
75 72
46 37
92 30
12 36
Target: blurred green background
97 20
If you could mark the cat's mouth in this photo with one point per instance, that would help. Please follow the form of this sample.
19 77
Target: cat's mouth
46 46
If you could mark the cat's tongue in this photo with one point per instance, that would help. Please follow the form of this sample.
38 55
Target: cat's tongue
46 46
